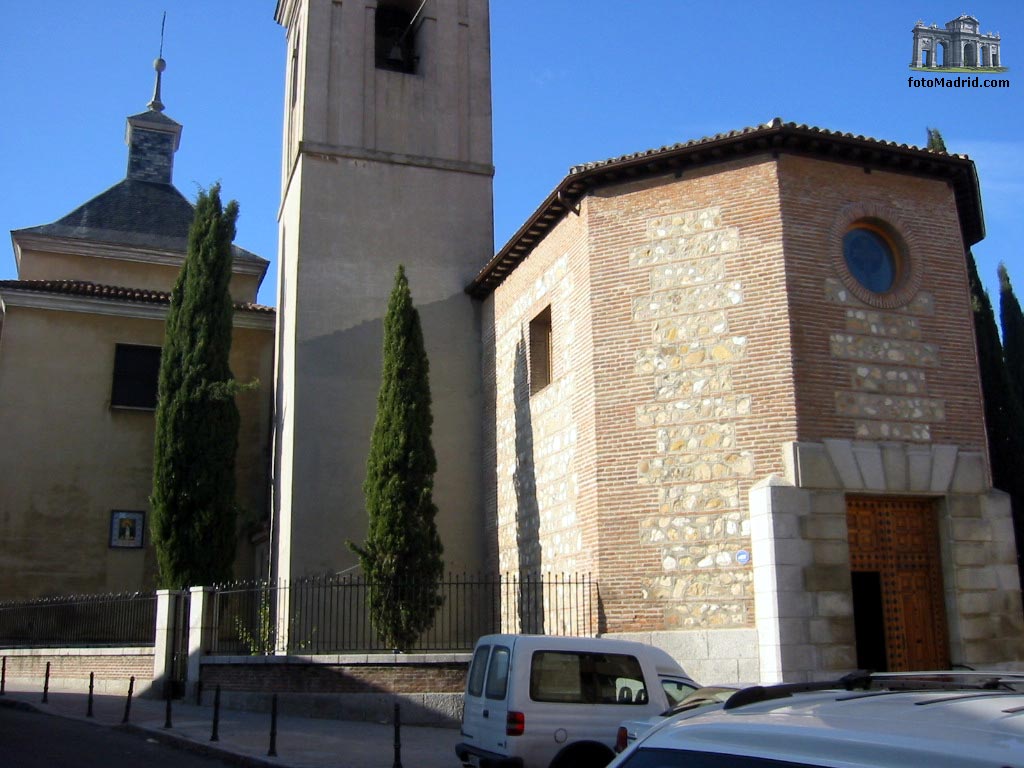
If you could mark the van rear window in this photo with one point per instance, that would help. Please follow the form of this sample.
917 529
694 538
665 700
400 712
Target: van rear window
497 673
477 670
569 677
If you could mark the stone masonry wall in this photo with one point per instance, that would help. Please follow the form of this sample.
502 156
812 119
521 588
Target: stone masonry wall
538 521
693 398
898 367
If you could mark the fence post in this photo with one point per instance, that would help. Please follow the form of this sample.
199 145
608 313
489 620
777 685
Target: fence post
3 677
163 648
200 633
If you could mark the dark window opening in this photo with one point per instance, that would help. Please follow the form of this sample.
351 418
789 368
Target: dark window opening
540 351
395 39
868 621
136 371
477 670
497 673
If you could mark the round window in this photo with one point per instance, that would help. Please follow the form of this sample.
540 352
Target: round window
871 257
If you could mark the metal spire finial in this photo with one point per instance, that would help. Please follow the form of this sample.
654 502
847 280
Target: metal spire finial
159 65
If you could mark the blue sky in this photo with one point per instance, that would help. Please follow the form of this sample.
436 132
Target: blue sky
572 82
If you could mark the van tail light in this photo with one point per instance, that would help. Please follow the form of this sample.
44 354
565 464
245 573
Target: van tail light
621 739
515 724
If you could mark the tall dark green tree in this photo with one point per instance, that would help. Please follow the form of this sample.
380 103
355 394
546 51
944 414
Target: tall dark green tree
1004 414
1003 441
402 554
1012 321
935 140
1008 468
194 509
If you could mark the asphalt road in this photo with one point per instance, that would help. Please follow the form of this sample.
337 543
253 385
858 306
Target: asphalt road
34 740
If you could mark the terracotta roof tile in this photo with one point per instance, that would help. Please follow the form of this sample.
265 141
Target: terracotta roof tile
86 289
776 137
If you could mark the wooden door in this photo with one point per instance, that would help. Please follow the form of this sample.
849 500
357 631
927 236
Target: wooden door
898 539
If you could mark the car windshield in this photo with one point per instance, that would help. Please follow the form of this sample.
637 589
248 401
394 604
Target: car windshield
699 698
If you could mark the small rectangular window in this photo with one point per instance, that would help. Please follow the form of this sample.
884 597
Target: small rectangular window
477 670
497 673
540 351
136 371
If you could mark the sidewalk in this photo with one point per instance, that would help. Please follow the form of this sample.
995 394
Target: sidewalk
244 737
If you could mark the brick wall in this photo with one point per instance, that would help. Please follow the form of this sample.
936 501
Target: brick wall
70 667
664 295
906 371
299 677
703 322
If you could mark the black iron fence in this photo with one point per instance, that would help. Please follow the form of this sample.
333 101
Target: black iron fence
127 619
331 614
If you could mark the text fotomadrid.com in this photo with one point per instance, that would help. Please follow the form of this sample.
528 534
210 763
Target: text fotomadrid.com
955 82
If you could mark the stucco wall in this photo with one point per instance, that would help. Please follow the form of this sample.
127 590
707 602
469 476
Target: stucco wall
69 458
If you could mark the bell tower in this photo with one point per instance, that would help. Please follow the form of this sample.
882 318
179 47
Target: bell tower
386 161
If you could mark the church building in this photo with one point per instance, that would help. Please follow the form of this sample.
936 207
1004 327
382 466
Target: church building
80 337
733 379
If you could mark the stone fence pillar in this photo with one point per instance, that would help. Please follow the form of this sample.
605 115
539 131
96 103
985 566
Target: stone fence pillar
200 633
163 648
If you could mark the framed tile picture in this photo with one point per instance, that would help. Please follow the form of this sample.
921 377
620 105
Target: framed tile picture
126 529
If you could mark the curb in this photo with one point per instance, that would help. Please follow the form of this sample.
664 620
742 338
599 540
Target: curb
197 747
23 706
168 739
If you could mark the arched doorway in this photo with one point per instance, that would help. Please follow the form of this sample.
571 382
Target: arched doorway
942 54
970 55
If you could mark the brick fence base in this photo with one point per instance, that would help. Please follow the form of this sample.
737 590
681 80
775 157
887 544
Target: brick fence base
350 687
70 668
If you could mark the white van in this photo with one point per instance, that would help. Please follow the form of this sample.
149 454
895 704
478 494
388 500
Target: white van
534 701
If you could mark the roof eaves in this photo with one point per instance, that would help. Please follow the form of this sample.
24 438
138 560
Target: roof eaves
85 289
775 137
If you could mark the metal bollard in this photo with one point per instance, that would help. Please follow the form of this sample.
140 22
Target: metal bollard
167 693
46 683
272 752
92 680
398 737
128 701
199 693
3 676
216 714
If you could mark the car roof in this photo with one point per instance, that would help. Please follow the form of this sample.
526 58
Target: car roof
664 664
849 728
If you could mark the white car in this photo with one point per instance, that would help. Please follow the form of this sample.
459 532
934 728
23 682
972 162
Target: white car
936 720
537 701
630 730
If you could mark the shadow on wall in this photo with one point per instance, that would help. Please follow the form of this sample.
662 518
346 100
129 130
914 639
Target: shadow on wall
524 480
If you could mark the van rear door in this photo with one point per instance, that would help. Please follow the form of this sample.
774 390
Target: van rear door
495 702
485 705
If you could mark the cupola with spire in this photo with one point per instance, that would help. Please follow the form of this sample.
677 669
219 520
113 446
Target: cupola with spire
152 138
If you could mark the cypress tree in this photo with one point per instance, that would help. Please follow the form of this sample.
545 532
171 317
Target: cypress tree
1012 321
1011 464
193 497
401 556
935 140
995 384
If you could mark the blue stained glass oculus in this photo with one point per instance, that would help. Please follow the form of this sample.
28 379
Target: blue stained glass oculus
870 259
